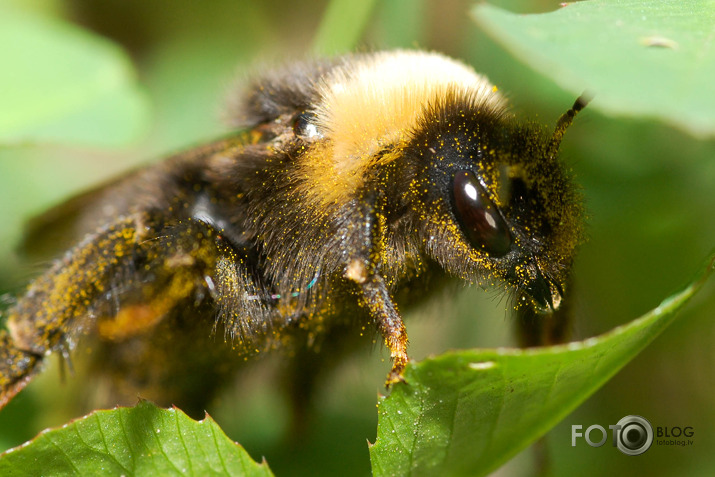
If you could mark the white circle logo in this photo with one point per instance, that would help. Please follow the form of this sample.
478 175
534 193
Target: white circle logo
634 435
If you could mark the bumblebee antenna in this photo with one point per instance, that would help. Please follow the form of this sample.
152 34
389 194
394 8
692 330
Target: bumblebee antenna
564 122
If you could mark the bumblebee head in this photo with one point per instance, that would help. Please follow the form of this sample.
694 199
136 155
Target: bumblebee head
499 204
484 195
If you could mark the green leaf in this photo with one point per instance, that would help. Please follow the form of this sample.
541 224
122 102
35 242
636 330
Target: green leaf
63 84
142 440
637 57
468 412
342 26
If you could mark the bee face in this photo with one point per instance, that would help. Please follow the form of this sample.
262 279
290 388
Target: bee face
497 206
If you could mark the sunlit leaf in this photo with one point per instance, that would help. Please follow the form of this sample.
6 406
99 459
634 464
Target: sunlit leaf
638 57
142 440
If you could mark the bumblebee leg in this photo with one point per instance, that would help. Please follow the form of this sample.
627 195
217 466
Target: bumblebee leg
537 329
312 367
53 304
540 329
362 268
376 299
119 282
172 341
17 367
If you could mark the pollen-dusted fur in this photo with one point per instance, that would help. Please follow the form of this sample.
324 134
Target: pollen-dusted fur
337 205
368 106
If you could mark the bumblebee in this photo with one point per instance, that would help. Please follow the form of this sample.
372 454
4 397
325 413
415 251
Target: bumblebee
358 186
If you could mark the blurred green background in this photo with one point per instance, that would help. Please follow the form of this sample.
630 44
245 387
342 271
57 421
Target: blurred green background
648 187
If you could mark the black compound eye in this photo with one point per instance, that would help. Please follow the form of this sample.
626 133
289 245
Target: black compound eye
304 125
479 218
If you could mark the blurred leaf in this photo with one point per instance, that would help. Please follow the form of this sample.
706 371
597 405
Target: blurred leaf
62 84
142 440
468 412
342 26
638 57
403 23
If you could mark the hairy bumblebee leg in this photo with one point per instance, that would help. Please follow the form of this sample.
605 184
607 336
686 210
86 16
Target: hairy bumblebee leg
374 296
17 368
178 303
376 299
76 294
53 305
